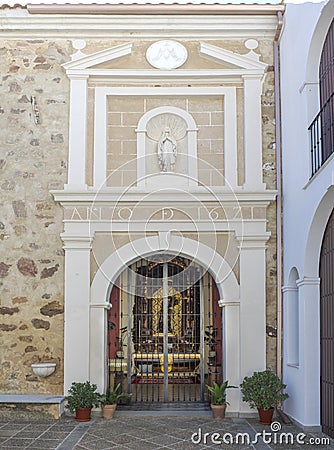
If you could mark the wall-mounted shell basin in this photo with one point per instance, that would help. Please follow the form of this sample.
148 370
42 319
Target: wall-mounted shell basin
43 369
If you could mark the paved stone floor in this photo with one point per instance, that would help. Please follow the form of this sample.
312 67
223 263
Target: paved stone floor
146 432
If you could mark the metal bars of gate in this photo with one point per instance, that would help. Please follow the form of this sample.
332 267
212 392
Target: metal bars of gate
326 328
167 345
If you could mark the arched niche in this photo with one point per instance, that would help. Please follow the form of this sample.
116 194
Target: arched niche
183 131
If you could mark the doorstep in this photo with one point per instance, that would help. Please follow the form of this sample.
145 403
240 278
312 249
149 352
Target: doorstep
36 406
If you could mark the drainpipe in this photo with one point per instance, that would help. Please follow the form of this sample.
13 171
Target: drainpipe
279 192
285 419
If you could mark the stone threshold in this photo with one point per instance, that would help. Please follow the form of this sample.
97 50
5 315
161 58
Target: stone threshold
33 405
31 398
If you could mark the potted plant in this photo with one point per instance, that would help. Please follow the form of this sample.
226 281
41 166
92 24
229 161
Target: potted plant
263 390
81 398
110 400
218 398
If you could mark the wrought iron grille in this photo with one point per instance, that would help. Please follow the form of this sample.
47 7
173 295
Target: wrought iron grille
327 328
321 129
165 331
322 135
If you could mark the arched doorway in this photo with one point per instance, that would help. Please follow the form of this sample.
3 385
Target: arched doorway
327 328
165 331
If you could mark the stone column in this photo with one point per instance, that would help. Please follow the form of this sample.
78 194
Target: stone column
252 305
77 133
77 290
253 132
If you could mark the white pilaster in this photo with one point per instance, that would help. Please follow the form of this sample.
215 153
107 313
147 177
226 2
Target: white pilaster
309 314
100 139
141 157
98 345
77 290
253 132
291 325
252 306
230 132
231 352
77 133
192 157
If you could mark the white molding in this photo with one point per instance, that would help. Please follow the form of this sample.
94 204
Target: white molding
253 132
100 139
106 306
230 138
230 141
214 194
19 24
187 117
221 55
76 242
308 281
77 133
177 74
100 57
216 265
289 289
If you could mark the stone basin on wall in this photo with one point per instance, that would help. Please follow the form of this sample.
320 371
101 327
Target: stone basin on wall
43 369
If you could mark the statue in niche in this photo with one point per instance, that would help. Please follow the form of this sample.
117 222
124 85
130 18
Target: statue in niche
167 151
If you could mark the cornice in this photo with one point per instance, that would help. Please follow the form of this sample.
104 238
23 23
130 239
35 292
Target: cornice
149 8
19 23
120 195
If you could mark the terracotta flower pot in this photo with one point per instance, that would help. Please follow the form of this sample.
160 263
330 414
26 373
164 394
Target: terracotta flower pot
108 411
218 411
83 414
266 415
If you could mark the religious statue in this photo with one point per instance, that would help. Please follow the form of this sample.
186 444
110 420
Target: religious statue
167 151
174 312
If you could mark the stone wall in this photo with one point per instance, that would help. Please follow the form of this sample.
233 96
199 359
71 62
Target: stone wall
33 160
269 177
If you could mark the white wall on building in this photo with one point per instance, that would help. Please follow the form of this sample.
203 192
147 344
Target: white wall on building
307 204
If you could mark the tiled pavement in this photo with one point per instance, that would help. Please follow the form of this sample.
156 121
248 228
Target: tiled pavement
148 433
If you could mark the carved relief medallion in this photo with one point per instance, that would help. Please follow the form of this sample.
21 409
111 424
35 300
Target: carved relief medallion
166 55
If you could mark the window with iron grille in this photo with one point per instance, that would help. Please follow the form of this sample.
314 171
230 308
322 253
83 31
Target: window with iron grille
322 127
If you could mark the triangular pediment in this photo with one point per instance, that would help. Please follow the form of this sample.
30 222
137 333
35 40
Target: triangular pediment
80 61
250 61
202 56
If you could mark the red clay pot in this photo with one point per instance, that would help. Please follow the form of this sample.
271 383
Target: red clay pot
266 415
83 414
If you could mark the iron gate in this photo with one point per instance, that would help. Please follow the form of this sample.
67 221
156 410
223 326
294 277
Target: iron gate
165 331
327 328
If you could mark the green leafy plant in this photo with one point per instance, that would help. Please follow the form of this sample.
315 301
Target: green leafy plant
218 392
82 395
263 390
113 396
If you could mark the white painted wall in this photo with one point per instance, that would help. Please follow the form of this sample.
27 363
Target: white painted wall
306 203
